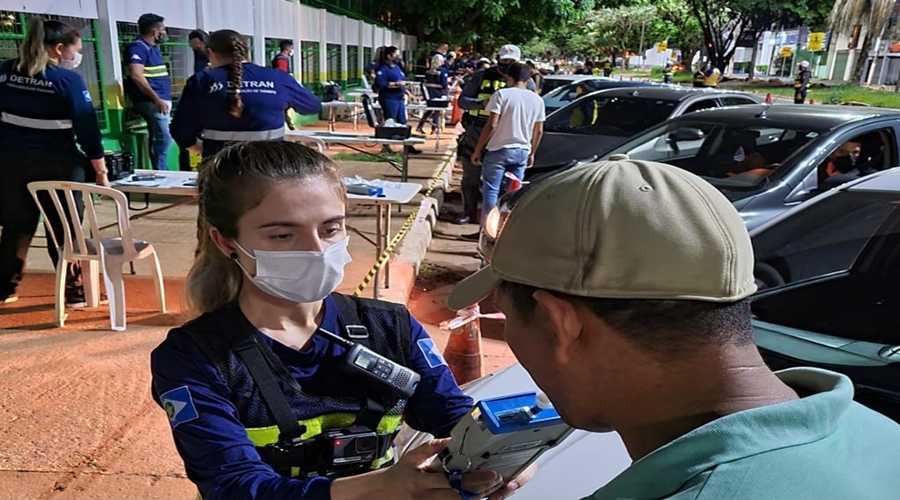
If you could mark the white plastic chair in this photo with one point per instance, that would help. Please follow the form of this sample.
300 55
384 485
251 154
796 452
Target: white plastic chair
310 142
111 253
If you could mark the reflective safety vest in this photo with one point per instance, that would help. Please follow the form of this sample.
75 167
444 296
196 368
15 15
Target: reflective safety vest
389 335
712 80
798 82
492 82
156 71
578 115
668 71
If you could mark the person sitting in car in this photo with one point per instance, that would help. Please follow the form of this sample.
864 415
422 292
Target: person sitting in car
738 154
843 165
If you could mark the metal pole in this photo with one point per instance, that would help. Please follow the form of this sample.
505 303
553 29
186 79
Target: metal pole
643 25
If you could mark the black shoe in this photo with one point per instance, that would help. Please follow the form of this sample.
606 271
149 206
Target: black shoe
462 220
471 236
75 298
412 150
420 130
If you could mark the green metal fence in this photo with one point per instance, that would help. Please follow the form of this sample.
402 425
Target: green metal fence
333 63
309 52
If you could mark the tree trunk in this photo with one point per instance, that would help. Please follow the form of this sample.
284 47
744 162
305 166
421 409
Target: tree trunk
751 72
860 64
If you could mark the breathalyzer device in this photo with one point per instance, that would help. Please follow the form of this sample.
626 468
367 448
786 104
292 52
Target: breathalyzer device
376 368
505 435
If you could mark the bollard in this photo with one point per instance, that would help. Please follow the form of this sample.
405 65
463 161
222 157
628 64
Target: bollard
769 99
463 352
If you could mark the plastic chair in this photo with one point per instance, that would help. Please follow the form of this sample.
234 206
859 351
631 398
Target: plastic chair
310 142
111 253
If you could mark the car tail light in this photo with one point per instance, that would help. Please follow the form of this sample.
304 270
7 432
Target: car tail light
492 223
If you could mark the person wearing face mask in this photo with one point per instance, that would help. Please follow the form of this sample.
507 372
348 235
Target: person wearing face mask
390 80
474 98
198 39
236 100
841 165
263 284
282 62
149 87
48 132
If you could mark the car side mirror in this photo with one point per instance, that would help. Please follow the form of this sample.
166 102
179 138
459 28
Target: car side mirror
687 134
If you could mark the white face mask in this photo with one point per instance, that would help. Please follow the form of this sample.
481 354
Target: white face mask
299 276
71 63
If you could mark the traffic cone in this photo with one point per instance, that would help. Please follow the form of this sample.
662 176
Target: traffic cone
463 352
769 99
457 113
812 101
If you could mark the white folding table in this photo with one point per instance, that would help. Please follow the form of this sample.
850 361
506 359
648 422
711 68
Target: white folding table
351 140
184 185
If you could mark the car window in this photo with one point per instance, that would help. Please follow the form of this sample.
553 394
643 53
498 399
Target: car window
701 105
825 238
737 101
731 156
561 96
840 261
610 116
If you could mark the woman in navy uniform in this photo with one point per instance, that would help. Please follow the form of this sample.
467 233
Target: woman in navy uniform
391 84
274 253
438 86
48 132
236 100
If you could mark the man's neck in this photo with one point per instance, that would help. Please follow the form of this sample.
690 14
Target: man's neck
675 400
150 39
521 85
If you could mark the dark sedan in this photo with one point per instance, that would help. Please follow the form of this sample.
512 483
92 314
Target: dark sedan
570 92
601 120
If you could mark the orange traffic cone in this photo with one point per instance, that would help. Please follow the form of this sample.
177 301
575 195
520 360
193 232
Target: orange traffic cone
457 113
463 351
769 99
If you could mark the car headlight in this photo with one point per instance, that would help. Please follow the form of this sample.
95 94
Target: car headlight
492 223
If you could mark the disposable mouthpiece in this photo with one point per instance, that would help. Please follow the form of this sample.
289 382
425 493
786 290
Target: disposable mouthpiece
543 402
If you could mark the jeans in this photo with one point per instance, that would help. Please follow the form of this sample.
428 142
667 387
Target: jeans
493 166
19 215
160 138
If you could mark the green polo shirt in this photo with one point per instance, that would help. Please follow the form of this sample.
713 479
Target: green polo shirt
823 446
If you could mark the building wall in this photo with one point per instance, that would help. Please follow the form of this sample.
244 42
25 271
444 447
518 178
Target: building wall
107 25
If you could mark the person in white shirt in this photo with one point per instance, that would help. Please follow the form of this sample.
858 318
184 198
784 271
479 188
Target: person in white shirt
511 136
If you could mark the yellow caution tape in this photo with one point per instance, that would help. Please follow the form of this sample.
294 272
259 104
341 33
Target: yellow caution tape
407 225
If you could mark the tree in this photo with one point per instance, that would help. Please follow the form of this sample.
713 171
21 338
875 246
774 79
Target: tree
481 24
611 31
873 14
725 23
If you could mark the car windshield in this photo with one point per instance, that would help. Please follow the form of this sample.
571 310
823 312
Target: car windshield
732 156
551 84
833 268
610 116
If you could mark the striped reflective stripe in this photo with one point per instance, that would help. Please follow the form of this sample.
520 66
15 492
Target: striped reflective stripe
259 135
35 122
156 71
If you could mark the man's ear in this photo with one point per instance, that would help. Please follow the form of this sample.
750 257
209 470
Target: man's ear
224 244
567 325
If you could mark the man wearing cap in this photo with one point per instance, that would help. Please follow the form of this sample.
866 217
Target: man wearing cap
474 98
801 83
638 320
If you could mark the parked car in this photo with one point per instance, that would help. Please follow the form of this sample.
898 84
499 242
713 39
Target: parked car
601 120
552 82
570 92
767 159
835 262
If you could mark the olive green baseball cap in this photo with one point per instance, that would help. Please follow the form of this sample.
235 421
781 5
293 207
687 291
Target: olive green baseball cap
622 229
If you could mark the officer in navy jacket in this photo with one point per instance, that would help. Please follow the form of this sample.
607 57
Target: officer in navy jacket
236 100
48 132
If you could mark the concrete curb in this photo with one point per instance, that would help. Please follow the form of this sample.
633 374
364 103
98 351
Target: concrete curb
407 258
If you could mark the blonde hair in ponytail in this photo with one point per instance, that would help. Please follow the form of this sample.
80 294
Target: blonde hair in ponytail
231 183
40 37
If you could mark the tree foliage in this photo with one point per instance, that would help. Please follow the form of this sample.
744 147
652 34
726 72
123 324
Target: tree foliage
483 24
873 14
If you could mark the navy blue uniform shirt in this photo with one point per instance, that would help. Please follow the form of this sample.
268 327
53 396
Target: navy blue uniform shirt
384 75
266 93
155 70
200 61
47 111
219 457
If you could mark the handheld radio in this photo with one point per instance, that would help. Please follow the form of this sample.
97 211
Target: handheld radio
378 369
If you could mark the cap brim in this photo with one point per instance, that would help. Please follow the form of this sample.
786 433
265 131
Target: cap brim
473 289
